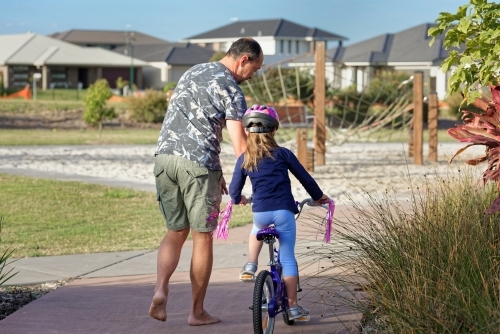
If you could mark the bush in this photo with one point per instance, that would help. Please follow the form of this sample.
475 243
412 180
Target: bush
169 86
429 264
96 110
149 108
5 275
217 56
455 106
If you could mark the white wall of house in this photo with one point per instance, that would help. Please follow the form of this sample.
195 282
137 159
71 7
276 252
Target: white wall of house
156 75
441 82
159 74
290 47
176 72
347 77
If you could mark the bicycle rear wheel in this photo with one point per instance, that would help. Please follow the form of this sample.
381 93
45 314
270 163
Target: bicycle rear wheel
263 292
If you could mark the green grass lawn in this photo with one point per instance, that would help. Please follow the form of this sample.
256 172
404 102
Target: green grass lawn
47 217
15 137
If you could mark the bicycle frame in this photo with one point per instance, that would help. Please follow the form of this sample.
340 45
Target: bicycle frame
270 295
279 303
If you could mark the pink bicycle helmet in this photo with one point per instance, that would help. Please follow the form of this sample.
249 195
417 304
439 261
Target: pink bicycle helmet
262 114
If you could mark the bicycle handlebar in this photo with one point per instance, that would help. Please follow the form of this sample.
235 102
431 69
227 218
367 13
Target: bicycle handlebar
300 205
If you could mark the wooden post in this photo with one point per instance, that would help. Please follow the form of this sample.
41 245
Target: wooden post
433 126
302 146
418 117
319 103
310 160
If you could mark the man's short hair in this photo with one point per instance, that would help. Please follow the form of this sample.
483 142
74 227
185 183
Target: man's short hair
245 46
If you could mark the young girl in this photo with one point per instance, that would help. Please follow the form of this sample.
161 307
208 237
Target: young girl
267 165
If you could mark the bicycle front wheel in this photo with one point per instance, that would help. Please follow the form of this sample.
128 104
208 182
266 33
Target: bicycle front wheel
263 293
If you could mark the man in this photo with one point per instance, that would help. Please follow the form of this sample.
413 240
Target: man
188 173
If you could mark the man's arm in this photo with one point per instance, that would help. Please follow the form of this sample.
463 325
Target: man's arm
237 136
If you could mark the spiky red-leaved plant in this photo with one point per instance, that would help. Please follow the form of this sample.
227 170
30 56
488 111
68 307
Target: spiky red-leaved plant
483 129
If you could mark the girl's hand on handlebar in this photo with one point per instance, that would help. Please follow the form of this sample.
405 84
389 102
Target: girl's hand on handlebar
244 200
323 200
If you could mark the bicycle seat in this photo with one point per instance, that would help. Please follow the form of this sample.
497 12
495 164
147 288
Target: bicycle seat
267 233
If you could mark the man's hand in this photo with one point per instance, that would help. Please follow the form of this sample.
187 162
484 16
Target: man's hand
224 187
244 200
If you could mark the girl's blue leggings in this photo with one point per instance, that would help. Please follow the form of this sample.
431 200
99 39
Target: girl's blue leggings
284 222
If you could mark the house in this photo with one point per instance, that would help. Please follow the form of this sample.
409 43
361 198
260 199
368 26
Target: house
280 39
61 64
106 39
407 50
167 61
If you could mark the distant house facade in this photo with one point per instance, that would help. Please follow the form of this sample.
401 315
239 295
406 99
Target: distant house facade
407 51
167 61
106 39
280 39
61 64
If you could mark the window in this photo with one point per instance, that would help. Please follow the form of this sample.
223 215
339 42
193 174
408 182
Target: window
289 47
297 47
282 47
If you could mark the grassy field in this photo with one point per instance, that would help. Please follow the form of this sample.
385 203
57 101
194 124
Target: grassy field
42 106
46 217
16 137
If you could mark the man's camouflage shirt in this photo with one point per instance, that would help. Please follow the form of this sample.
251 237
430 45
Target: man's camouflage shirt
205 97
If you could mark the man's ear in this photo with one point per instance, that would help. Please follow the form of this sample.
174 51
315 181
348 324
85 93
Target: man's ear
244 59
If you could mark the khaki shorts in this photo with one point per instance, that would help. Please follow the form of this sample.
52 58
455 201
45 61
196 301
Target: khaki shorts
189 194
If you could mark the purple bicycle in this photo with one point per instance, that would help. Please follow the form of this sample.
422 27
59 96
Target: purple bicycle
269 296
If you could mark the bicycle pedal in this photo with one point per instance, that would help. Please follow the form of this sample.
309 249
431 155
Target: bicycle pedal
303 318
247 278
251 307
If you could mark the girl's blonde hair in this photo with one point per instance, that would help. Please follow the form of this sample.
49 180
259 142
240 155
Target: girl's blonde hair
259 146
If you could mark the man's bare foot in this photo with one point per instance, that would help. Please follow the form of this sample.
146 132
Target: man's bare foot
202 319
158 308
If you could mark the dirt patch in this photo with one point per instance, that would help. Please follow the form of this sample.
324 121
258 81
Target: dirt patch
12 298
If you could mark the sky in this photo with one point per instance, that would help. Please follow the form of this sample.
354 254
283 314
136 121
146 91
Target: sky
174 20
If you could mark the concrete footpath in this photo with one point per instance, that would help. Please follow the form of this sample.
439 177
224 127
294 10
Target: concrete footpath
111 292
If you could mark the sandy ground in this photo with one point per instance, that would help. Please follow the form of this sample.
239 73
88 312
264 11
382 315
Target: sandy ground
350 169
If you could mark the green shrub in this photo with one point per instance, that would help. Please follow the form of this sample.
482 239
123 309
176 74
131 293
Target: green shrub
217 56
149 108
96 110
120 83
5 275
169 86
1 84
428 262
455 106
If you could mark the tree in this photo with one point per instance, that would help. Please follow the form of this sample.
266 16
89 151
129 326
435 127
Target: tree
217 56
96 110
473 37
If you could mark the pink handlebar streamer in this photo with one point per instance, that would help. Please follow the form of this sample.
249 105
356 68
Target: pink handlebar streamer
222 230
329 220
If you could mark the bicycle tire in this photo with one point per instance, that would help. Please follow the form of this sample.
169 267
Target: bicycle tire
287 320
263 292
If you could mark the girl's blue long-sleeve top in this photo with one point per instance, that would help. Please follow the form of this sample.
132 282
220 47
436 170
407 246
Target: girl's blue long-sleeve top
271 185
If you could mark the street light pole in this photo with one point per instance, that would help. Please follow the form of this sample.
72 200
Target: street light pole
131 67
129 40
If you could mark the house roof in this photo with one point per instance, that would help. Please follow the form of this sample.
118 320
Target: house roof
408 46
171 53
272 27
39 50
77 36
